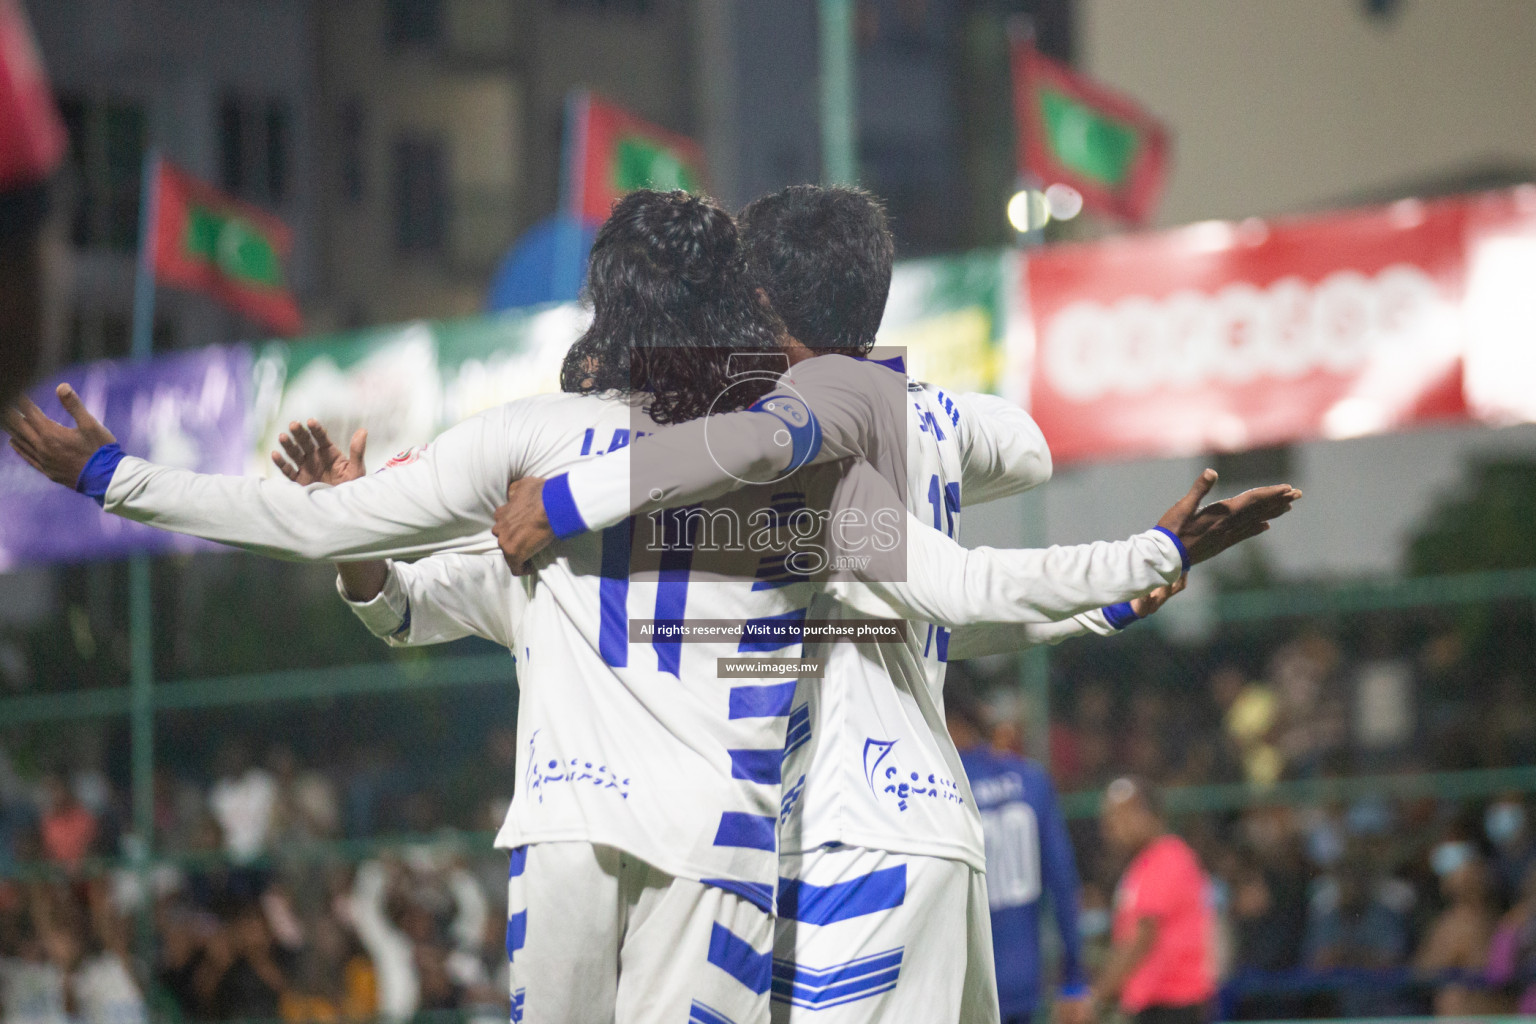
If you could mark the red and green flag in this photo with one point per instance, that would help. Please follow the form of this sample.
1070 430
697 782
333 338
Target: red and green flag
207 241
610 151
1077 132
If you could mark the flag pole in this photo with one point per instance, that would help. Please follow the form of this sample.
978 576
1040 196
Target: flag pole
839 134
141 672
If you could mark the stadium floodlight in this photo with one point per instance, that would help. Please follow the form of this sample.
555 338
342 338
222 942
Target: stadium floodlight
1028 210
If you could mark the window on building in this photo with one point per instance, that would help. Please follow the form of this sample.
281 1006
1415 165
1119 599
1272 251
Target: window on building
421 194
415 22
255 147
352 150
106 154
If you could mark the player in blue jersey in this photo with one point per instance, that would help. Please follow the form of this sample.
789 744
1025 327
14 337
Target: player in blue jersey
1029 855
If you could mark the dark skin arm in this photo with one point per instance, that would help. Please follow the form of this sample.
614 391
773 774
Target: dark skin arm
1122 962
318 459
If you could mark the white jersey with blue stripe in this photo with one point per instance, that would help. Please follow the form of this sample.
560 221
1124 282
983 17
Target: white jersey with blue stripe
868 760
638 743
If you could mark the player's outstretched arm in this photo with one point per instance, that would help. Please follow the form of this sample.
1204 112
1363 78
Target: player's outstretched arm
980 640
432 504
948 585
827 408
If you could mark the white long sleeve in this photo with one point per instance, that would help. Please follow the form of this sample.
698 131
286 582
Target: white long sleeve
449 493
445 597
1004 451
986 638
389 949
948 585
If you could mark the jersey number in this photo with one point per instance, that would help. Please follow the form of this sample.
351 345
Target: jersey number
946 503
671 589
1013 855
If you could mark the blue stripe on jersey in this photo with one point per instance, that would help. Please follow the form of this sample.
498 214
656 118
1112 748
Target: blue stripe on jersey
679 526
613 595
769 701
757 765
751 831
774 571
772 632
699 1013
560 507
519 862
799 732
818 989
736 957
824 904
517 931
759 894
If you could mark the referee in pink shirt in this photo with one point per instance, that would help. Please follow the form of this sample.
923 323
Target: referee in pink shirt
1161 966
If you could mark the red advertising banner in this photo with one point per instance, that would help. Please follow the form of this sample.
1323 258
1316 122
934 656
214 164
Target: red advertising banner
1225 336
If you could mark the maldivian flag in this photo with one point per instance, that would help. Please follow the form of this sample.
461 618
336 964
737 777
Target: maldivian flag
210 242
1075 131
610 151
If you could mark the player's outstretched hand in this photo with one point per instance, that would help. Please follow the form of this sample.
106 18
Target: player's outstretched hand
521 528
54 450
1207 532
315 457
1144 606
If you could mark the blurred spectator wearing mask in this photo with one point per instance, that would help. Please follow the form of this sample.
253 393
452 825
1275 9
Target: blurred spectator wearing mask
1029 853
1458 939
1161 967
1514 849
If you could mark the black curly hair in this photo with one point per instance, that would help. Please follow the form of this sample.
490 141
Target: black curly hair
823 257
671 302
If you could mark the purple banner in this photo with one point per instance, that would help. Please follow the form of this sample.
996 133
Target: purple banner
187 409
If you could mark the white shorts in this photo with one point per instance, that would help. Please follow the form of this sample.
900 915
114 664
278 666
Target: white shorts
869 937
595 936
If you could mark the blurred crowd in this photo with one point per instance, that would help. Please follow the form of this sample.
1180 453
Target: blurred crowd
1367 907
263 911
272 897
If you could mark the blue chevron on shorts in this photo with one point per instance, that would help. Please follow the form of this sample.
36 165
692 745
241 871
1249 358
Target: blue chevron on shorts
517 1006
698 1013
735 956
825 987
880 890
799 729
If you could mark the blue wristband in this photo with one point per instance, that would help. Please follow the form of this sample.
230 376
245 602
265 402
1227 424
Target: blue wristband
96 477
1076 990
560 508
1183 551
1120 615
803 428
